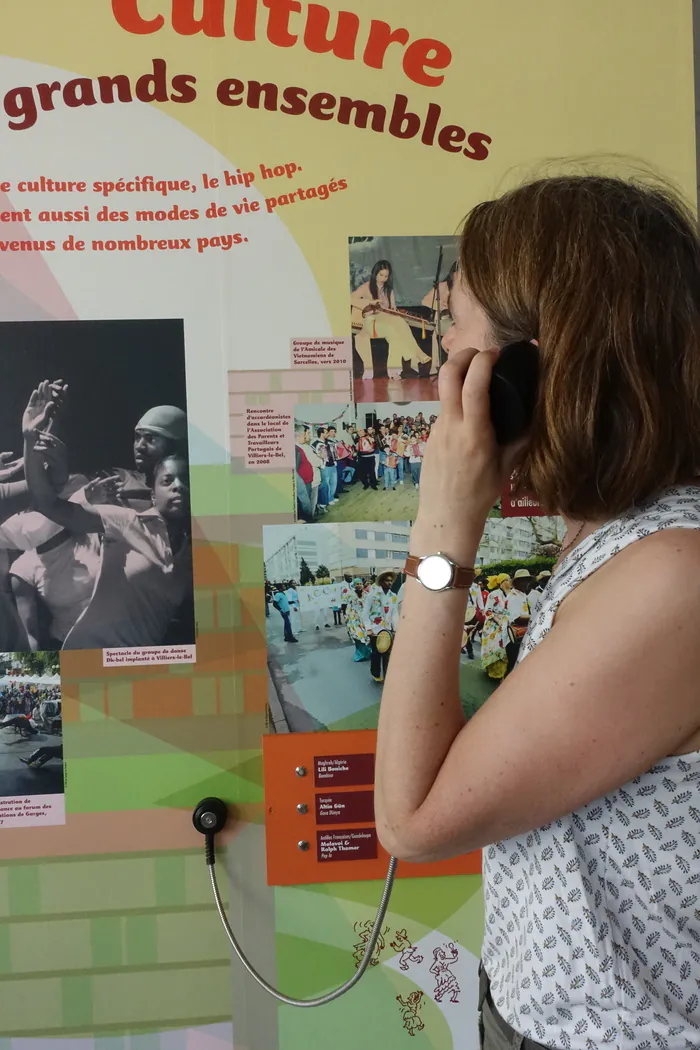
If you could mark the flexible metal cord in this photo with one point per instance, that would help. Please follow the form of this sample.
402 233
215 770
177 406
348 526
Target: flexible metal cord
330 996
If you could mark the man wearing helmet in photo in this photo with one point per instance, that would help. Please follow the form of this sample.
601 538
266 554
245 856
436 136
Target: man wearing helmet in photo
160 432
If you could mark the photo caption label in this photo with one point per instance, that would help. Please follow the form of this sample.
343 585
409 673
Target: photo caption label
322 352
344 770
269 438
164 654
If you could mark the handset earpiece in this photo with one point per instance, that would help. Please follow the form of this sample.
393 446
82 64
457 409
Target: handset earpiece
209 818
513 392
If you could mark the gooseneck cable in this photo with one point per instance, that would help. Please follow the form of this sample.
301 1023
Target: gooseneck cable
321 1000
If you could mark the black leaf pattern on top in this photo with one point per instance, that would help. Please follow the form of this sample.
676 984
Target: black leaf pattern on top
646 899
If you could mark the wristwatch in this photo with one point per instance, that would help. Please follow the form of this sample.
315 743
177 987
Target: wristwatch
437 572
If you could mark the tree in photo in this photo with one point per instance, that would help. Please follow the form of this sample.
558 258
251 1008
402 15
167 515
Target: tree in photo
305 574
547 542
39 663
323 572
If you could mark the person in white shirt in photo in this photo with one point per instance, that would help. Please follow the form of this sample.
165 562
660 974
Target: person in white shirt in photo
519 611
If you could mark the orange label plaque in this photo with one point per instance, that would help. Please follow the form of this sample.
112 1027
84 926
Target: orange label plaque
319 812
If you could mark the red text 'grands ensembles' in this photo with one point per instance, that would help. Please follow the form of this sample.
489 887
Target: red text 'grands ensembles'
286 24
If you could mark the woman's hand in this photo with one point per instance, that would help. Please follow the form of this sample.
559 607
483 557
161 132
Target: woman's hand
464 469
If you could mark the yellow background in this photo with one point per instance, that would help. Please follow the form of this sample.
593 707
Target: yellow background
545 79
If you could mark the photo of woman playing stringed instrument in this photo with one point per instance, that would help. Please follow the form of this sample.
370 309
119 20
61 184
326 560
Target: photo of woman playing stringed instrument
399 289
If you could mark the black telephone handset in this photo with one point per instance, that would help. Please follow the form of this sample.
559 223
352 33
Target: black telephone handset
513 391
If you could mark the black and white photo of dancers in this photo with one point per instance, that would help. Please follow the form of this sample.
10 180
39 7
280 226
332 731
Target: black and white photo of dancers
95 525
399 312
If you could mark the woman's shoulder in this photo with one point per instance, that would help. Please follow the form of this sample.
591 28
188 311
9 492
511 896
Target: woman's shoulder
646 576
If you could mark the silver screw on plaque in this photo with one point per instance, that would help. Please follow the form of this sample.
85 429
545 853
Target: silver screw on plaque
302 808
303 845
300 771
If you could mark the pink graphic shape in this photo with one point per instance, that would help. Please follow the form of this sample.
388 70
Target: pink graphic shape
28 272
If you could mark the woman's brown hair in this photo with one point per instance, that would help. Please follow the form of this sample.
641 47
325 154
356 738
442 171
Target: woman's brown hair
605 274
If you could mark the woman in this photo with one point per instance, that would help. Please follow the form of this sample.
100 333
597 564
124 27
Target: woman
357 632
143 575
494 636
579 775
366 453
377 296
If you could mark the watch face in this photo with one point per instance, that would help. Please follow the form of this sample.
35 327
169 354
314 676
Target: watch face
435 572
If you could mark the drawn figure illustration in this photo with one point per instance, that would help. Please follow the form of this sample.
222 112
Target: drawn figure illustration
364 932
409 953
445 980
411 1005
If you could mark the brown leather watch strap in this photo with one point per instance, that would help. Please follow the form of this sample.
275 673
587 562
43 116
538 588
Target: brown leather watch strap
462 578
411 566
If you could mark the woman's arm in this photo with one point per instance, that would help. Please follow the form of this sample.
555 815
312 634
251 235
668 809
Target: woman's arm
361 296
592 706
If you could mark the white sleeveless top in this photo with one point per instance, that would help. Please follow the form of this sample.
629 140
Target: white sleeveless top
593 921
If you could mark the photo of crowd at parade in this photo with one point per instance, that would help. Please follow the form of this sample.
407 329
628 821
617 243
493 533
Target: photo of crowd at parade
498 612
347 471
499 609
368 608
31 723
359 612
94 558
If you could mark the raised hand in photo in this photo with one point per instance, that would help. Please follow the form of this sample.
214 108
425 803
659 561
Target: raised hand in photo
43 405
54 455
105 490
